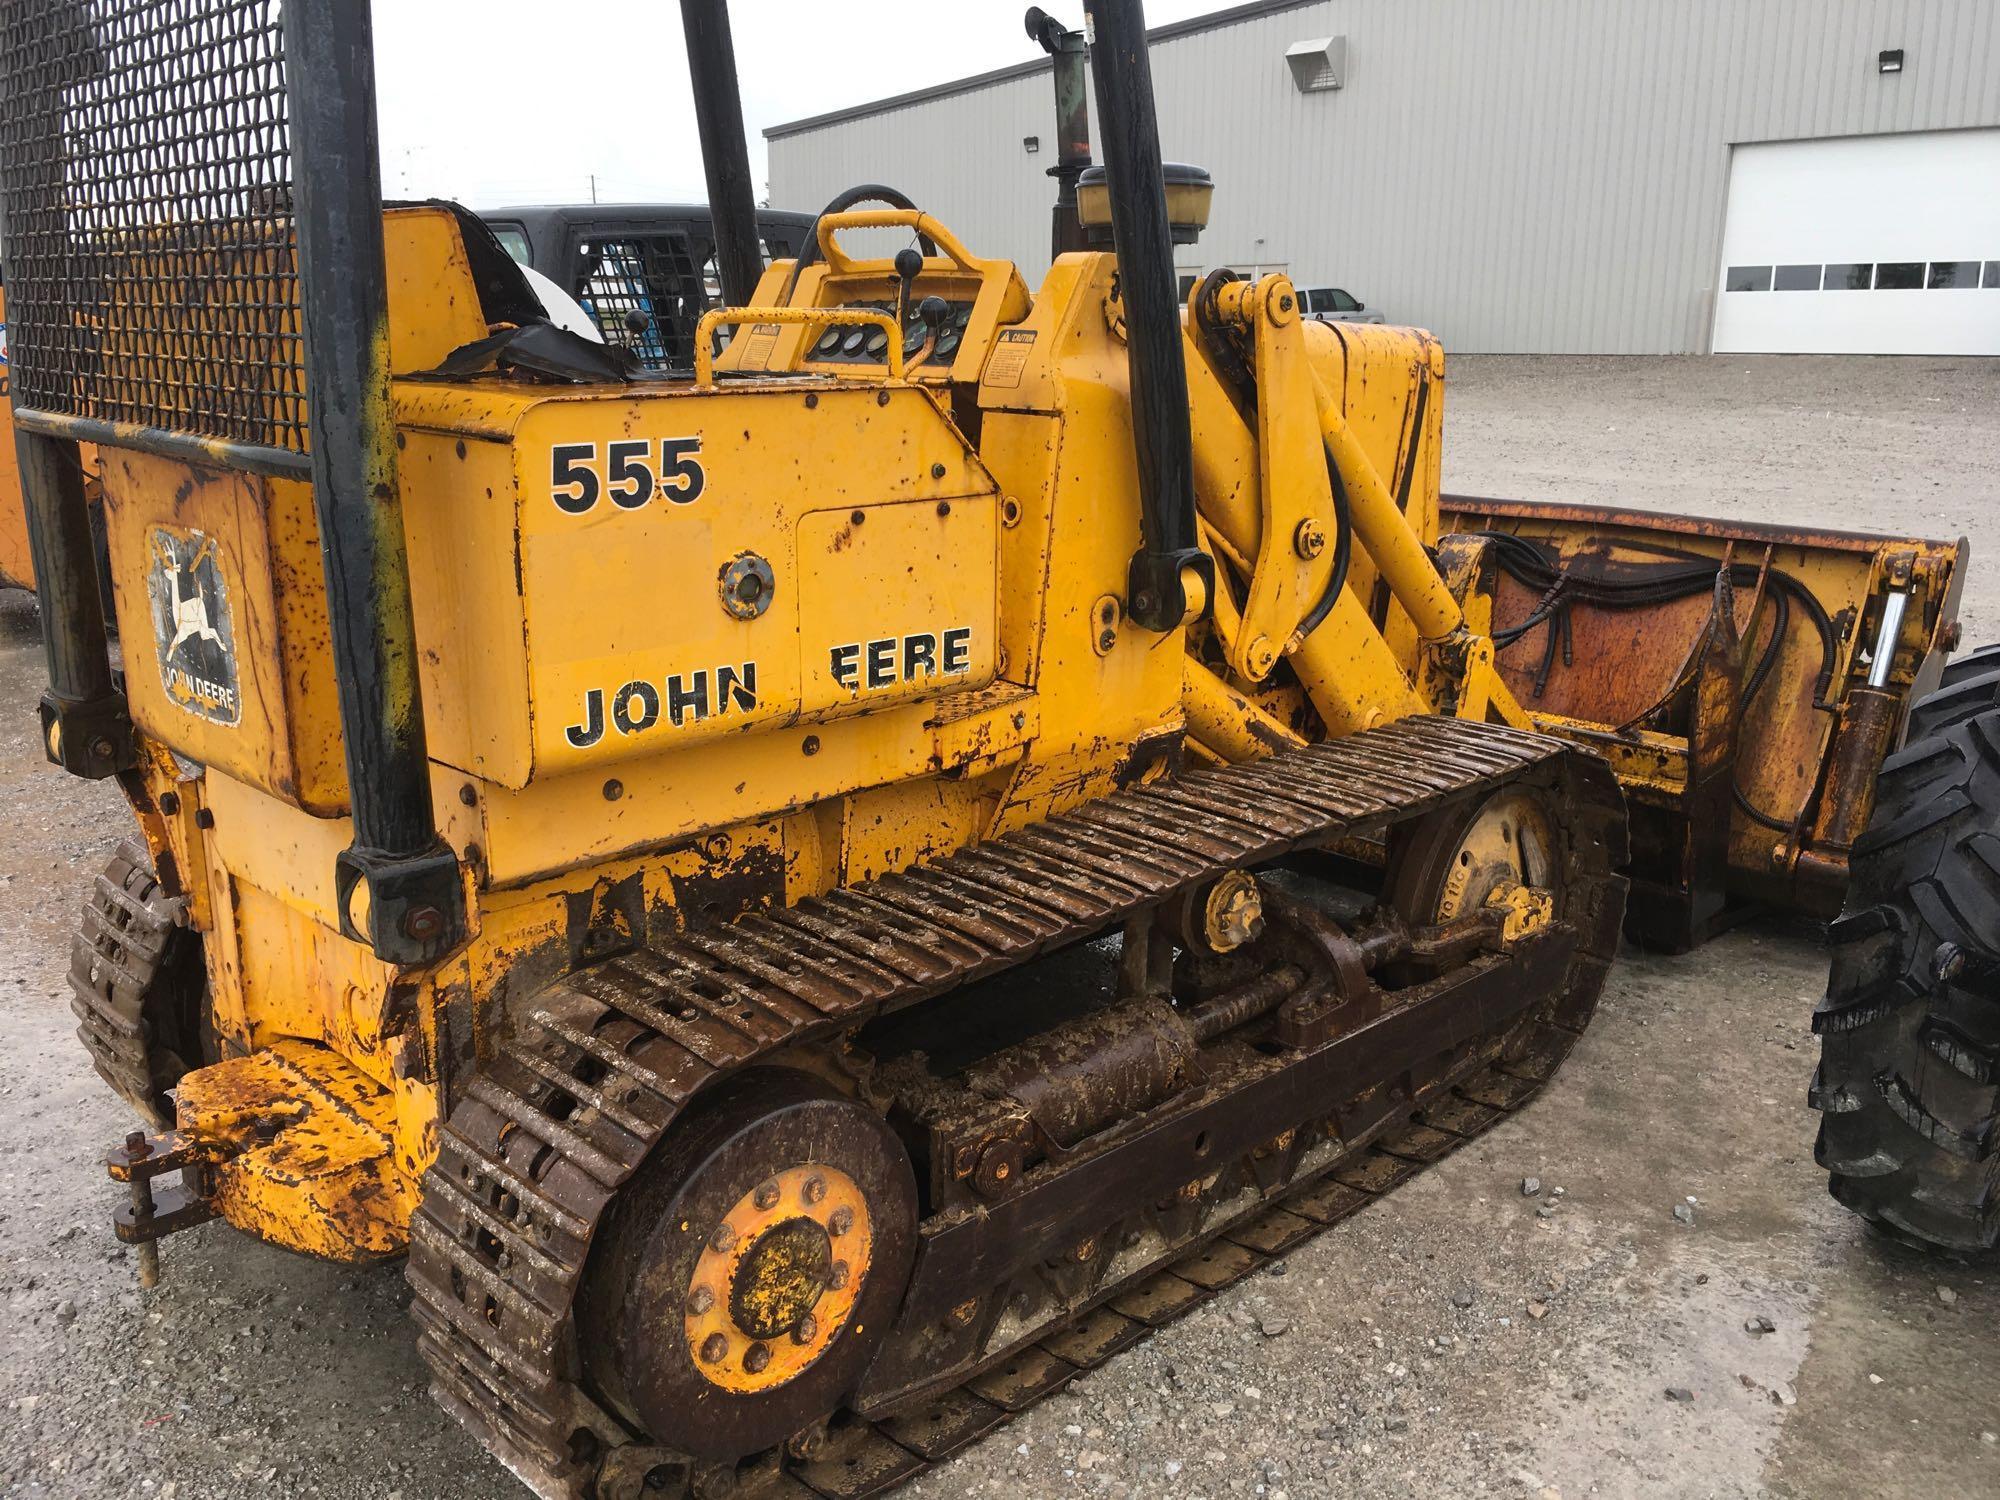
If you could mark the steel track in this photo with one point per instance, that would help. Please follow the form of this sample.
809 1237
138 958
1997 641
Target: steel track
122 945
547 1133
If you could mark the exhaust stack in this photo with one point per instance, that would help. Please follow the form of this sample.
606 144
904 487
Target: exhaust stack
1071 57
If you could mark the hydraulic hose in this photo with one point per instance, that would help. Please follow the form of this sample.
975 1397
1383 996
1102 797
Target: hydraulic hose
1534 565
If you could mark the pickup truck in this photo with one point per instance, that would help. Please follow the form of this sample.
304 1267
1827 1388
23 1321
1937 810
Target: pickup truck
1332 305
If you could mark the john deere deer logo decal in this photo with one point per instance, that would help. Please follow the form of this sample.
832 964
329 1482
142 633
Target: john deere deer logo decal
192 628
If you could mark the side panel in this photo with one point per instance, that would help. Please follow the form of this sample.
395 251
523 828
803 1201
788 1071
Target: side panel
222 613
653 573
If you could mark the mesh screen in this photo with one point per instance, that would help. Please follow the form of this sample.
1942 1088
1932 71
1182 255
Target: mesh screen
646 294
146 180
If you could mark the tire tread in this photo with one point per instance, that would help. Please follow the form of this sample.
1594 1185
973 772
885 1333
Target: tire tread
1908 1085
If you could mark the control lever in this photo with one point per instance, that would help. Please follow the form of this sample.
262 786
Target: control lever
936 313
909 265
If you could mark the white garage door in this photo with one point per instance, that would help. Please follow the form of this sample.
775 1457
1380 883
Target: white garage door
1886 244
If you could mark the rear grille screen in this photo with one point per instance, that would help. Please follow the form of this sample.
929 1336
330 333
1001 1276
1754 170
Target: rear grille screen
646 293
145 175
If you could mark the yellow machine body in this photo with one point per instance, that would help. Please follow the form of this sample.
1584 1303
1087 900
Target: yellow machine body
17 566
622 737
689 648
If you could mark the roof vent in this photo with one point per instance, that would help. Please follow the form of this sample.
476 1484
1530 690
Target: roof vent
1318 64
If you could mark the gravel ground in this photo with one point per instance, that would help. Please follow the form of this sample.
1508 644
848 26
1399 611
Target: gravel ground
1448 1340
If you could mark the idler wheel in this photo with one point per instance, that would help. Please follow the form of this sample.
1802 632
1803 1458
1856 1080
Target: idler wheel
749 1272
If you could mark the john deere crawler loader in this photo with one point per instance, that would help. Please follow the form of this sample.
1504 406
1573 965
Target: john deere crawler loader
817 895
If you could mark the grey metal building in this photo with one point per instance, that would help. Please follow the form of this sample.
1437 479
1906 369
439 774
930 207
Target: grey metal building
1561 176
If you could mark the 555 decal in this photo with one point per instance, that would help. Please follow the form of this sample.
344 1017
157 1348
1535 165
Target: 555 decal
629 472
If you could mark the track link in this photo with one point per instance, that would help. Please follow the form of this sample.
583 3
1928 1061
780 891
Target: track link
544 1136
130 979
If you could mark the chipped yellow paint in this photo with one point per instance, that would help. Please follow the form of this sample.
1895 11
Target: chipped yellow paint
997 497
309 1163
17 562
1507 860
778 1278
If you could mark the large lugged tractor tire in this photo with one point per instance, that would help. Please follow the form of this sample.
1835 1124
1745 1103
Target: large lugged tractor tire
1970 684
1909 1076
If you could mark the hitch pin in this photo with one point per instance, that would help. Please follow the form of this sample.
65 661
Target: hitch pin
138 1148
1893 607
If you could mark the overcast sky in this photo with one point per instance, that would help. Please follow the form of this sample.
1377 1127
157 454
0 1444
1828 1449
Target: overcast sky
520 101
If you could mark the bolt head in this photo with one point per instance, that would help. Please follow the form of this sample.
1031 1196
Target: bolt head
422 923
1948 962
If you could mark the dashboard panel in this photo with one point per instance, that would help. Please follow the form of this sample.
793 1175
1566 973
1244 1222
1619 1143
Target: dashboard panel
870 346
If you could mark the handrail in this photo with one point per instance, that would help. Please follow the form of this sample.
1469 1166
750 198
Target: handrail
842 264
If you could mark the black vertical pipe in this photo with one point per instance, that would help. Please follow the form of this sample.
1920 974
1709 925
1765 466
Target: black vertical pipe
1071 59
414 908
725 152
84 725
1143 239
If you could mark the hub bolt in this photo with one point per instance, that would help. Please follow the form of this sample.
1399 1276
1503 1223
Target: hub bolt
756 1357
1948 962
807 1330
766 1196
813 1189
714 1347
700 1300
841 1221
423 923
723 1240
